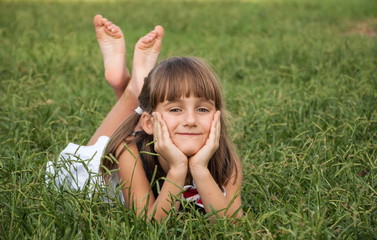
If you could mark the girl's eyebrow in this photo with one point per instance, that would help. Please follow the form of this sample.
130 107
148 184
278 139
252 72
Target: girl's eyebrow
170 102
181 100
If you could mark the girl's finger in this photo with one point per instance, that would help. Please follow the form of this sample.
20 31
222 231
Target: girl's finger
218 125
214 136
159 123
164 129
213 131
156 127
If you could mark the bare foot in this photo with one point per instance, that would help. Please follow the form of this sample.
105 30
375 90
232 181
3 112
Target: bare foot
111 42
146 53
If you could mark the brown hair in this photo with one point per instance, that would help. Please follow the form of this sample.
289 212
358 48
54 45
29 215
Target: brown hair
170 80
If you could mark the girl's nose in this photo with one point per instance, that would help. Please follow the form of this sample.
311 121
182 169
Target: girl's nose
190 118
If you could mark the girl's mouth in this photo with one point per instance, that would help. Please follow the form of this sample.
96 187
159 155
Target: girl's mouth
189 134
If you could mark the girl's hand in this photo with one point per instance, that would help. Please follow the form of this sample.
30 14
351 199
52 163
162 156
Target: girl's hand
202 157
164 146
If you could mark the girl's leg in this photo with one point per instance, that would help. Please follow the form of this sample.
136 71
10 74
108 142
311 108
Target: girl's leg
113 48
146 53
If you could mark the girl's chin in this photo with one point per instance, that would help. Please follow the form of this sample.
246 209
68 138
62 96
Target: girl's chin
189 148
189 152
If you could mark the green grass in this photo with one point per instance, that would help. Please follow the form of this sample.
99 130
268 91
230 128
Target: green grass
300 83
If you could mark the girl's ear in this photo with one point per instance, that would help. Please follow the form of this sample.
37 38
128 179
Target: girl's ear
147 123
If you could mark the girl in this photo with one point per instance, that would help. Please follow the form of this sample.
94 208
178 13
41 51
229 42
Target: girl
173 140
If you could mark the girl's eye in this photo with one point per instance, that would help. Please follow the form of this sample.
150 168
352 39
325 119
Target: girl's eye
203 110
174 110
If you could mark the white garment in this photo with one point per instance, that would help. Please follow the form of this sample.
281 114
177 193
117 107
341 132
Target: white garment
78 167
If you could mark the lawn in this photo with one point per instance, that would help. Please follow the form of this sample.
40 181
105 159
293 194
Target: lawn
299 79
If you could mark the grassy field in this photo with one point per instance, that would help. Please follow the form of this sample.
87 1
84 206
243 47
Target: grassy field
299 78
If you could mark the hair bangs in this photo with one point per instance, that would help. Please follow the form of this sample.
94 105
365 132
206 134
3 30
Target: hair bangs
181 79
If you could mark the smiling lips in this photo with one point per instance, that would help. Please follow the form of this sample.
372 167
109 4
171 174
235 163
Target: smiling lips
189 134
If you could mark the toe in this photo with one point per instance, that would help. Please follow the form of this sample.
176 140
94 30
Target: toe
160 31
97 21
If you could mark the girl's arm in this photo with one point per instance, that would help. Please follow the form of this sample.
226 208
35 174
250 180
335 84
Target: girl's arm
209 191
137 190
213 198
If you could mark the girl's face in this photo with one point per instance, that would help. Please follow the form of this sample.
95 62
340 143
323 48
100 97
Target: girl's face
188 121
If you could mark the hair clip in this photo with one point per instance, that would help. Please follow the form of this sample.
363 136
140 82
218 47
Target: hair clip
138 110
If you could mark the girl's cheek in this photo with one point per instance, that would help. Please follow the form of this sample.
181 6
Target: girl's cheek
209 121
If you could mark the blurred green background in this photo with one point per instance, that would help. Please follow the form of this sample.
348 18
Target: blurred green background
299 78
